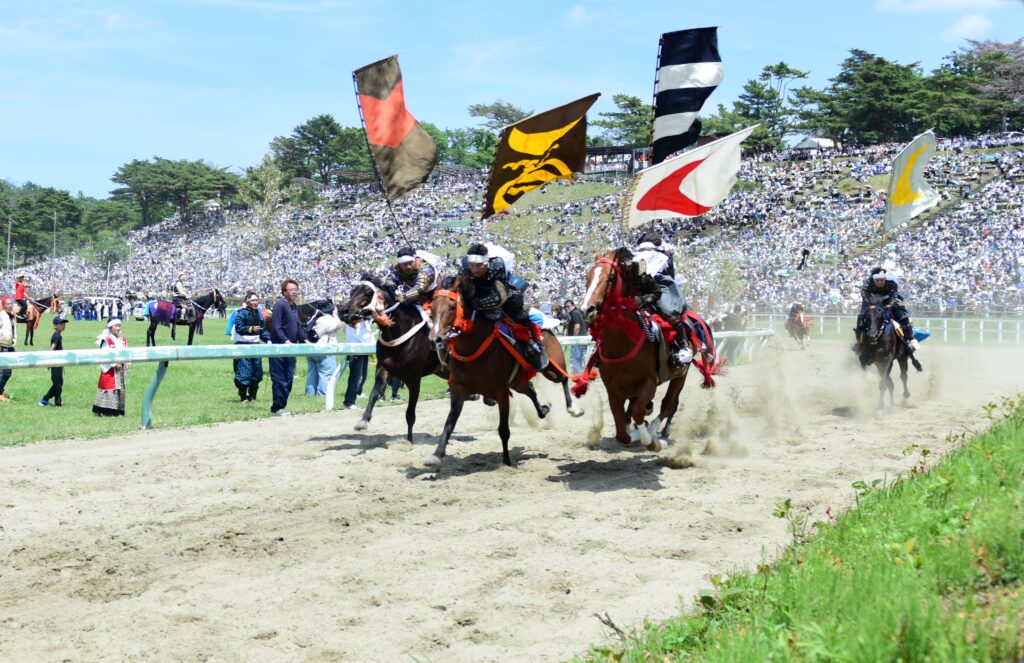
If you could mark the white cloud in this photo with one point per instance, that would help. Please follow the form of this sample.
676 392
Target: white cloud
117 21
578 14
939 5
972 26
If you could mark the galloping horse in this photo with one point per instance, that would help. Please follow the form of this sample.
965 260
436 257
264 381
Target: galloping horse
34 312
478 365
883 346
403 349
163 312
627 360
799 329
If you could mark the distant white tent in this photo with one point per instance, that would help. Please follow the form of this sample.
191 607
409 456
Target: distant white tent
811 143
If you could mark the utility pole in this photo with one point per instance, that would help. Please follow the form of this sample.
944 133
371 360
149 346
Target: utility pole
10 220
54 237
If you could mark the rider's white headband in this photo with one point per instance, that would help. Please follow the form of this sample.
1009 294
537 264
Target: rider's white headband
475 258
646 246
113 322
404 259
253 298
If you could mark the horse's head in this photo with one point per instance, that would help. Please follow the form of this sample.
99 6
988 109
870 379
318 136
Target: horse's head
445 308
601 280
877 316
218 299
369 299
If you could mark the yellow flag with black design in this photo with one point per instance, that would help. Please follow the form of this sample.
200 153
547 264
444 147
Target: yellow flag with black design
909 193
548 146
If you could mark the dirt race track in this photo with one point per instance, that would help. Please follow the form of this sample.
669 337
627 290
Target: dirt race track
298 539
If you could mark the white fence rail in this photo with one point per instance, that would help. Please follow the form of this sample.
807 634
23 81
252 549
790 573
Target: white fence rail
983 331
168 353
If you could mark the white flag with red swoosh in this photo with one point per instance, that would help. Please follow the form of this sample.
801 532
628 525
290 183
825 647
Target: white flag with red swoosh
689 184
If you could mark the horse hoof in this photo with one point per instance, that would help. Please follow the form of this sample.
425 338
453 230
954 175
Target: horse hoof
645 435
575 412
473 397
432 462
650 408
656 445
490 402
362 424
544 409
634 436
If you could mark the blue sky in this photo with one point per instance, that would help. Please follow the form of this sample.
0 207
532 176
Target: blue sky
88 86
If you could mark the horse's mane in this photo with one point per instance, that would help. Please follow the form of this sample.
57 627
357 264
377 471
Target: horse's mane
379 283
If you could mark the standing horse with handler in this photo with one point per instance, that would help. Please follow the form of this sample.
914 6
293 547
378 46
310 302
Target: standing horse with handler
635 347
163 312
33 312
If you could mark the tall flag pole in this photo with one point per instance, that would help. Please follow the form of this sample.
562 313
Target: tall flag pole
909 193
402 152
547 146
689 69
686 185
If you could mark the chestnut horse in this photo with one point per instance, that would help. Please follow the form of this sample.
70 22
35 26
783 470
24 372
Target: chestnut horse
628 362
34 312
799 329
479 365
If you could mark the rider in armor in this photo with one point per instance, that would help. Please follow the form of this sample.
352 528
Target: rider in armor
795 310
655 262
181 296
493 291
413 276
879 284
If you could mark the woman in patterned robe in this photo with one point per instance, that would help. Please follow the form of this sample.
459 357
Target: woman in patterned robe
110 393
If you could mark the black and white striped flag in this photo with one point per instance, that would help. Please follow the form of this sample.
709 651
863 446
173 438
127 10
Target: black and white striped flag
689 70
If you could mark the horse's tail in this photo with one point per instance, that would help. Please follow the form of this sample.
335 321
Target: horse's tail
709 364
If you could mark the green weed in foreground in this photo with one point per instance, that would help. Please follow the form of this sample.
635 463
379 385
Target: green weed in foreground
927 568
193 393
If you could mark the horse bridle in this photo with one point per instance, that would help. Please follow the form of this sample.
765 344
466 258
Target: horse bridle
376 305
612 273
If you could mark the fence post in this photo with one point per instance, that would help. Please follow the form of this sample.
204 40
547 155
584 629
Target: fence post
981 330
945 330
1000 327
147 400
963 330
1018 332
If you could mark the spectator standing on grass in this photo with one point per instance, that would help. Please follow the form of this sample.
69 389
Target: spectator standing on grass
110 392
57 372
361 332
19 294
576 325
8 338
320 369
284 330
249 328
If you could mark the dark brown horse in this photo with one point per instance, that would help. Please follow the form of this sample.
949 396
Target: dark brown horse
482 361
799 328
883 345
34 310
403 349
165 313
627 360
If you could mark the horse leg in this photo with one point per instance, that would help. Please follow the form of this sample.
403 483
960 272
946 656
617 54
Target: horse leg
173 327
531 393
191 333
410 409
569 405
380 383
669 405
903 378
617 404
503 430
454 410
151 334
637 411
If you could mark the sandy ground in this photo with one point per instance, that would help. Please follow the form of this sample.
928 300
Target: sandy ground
298 539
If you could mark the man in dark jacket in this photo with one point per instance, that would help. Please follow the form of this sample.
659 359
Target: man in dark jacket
879 284
284 330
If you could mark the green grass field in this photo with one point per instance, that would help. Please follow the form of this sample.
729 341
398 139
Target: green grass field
194 392
929 567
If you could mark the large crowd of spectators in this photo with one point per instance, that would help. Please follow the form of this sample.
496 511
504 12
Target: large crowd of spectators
965 257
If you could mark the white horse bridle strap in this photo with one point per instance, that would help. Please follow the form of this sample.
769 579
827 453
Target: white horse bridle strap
409 334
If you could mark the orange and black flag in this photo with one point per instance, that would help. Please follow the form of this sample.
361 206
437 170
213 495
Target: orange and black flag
403 152
548 146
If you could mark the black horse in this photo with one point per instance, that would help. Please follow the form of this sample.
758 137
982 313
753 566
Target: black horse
882 346
166 313
403 349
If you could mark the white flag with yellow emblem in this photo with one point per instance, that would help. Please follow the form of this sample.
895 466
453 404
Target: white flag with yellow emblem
909 193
